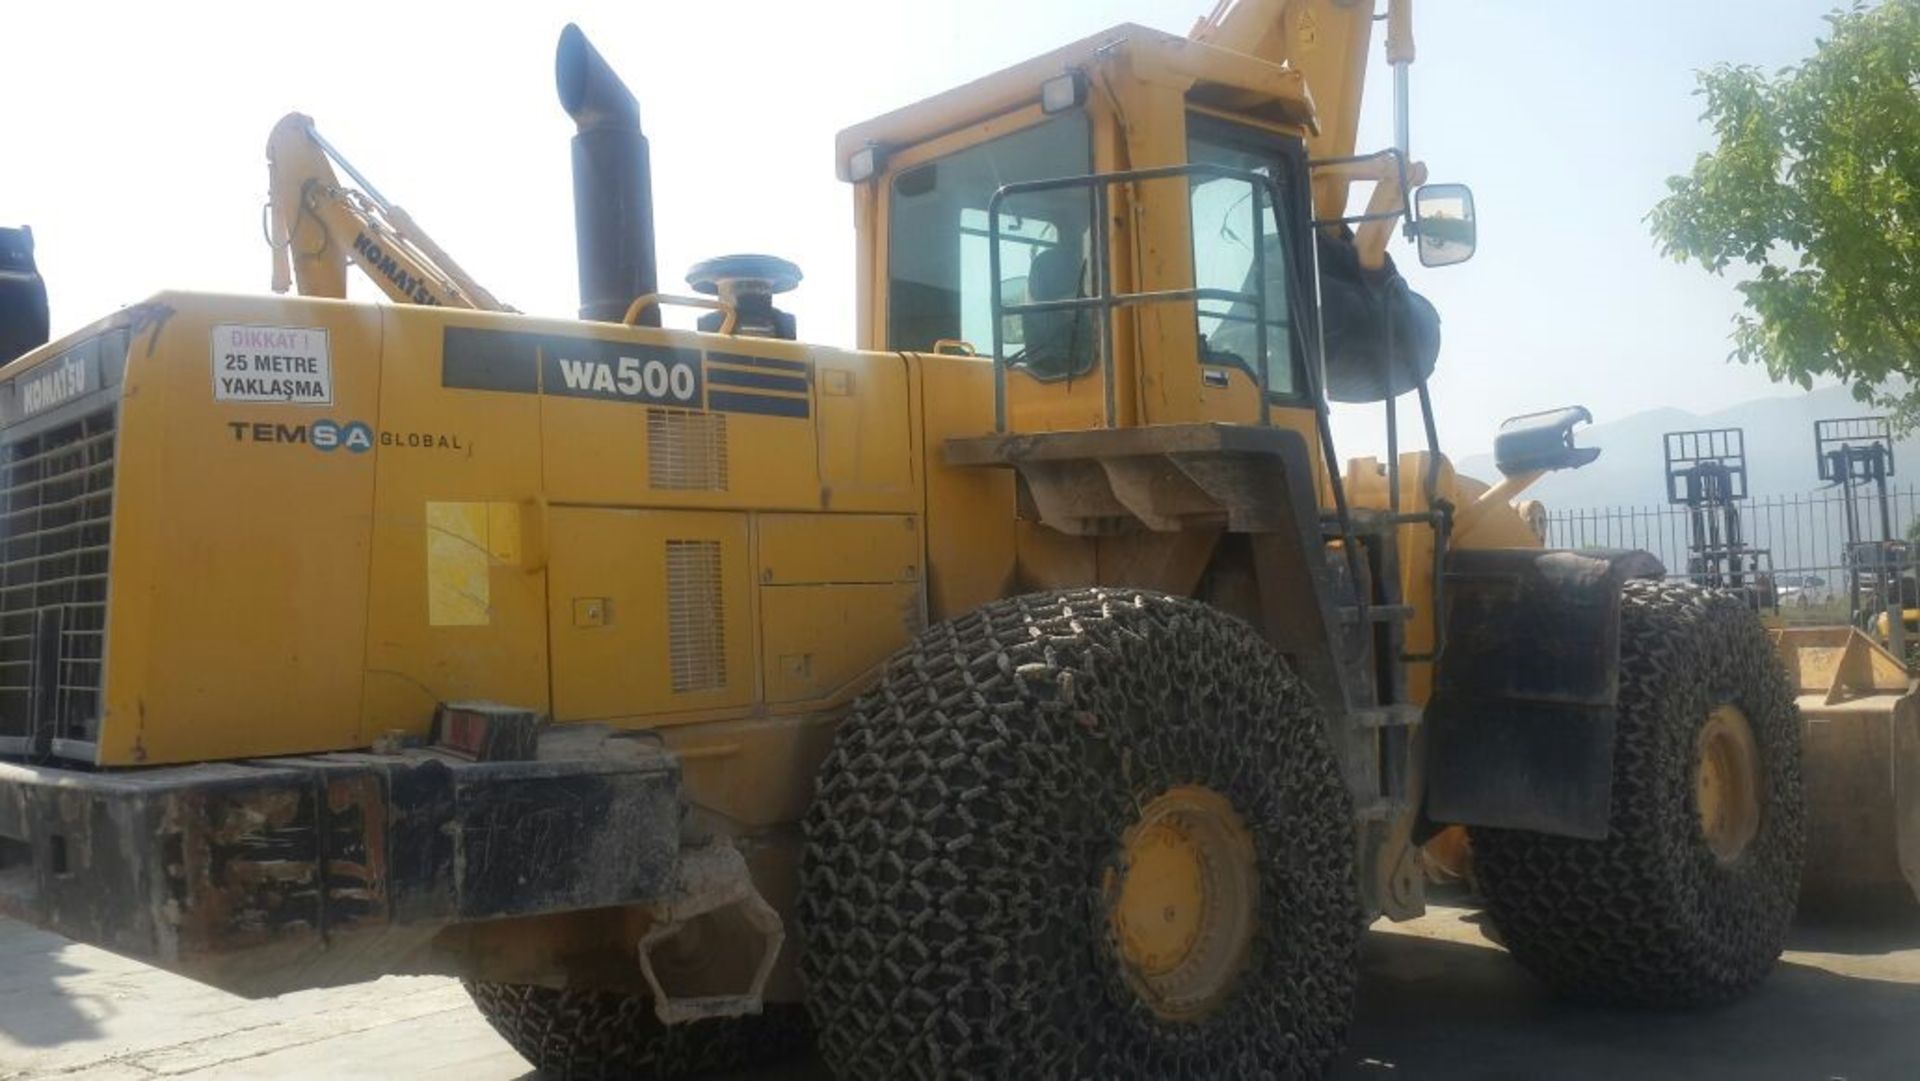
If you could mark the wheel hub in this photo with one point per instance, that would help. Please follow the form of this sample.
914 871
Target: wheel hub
1727 782
1182 905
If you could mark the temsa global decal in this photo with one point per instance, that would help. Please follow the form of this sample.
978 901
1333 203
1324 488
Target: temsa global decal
422 440
353 436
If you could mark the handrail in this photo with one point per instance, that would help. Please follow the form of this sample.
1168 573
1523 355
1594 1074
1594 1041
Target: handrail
1103 298
729 316
1108 302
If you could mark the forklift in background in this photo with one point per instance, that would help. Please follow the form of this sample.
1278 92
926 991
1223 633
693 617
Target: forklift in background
1707 473
1857 720
1855 455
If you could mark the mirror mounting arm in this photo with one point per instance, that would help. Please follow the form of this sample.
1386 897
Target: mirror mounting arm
1393 179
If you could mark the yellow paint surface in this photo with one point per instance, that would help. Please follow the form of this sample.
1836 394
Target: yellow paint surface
460 563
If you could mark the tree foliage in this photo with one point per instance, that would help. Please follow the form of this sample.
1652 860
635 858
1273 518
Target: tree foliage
1812 199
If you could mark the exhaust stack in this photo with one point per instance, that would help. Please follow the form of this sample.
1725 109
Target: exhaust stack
23 296
612 183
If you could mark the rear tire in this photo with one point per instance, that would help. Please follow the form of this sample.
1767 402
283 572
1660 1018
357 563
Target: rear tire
604 1034
1689 899
966 909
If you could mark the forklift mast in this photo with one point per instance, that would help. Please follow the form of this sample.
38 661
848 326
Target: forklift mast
1707 473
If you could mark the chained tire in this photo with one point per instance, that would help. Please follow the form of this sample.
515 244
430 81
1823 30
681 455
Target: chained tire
1688 900
599 1034
1093 833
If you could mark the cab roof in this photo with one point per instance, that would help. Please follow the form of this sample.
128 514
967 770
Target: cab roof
1226 80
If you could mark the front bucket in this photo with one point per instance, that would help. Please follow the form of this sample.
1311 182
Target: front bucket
1861 720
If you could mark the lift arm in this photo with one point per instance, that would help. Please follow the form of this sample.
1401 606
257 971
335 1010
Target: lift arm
316 226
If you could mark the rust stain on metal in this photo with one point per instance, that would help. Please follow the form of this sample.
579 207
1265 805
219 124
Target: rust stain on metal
356 848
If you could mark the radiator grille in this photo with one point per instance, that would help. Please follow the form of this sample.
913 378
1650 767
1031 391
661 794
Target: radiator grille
56 502
696 620
687 450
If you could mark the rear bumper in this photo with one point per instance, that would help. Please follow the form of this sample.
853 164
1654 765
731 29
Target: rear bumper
267 876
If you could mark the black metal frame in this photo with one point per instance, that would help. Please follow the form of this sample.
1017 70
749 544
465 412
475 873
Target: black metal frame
1439 515
49 728
1406 191
1852 453
1706 472
1295 184
1104 300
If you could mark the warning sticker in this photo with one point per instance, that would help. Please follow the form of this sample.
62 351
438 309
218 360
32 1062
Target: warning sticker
290 365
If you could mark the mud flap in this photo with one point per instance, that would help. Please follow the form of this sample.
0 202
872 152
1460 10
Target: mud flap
1520 730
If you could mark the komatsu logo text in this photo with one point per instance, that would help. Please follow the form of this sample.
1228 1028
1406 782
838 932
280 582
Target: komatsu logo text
374 258
66 380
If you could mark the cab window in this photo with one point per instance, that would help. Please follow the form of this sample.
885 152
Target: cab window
939 264
1224 256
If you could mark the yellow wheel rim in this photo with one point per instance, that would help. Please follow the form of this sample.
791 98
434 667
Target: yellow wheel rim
1727 782
1183 904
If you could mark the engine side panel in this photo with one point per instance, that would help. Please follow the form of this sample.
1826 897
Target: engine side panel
236 610
328 517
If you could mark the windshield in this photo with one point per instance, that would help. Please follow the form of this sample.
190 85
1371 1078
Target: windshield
1224 239
939 274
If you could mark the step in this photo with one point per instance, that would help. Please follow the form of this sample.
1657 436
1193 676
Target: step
1377 613
1395 715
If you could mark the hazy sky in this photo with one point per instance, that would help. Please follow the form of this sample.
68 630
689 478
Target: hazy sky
132 140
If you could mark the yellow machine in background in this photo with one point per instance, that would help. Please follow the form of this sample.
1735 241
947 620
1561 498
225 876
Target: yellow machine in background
316 227
1031 691
1862 725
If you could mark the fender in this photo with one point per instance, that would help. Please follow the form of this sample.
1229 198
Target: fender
1520 729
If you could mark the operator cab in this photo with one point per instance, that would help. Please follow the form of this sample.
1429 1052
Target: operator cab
1220 229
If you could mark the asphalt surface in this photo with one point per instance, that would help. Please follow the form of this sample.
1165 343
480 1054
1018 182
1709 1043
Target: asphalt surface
1438 1000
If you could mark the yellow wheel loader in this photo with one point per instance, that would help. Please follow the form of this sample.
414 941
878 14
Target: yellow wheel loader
1031 691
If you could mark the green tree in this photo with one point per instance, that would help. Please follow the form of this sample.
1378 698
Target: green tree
1812 197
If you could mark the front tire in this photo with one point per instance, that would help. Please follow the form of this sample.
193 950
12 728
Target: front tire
1095 833
1689 899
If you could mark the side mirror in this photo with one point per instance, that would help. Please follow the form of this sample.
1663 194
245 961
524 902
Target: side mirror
1443 223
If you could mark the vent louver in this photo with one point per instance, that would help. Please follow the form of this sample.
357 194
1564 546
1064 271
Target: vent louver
696 616
686 450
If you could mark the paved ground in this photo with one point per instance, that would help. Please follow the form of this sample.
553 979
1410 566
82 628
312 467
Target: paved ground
1438 1001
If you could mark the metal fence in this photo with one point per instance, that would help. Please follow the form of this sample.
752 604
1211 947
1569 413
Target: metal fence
1804 538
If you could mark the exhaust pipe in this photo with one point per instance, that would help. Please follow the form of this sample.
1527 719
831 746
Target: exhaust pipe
612 183
23 296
